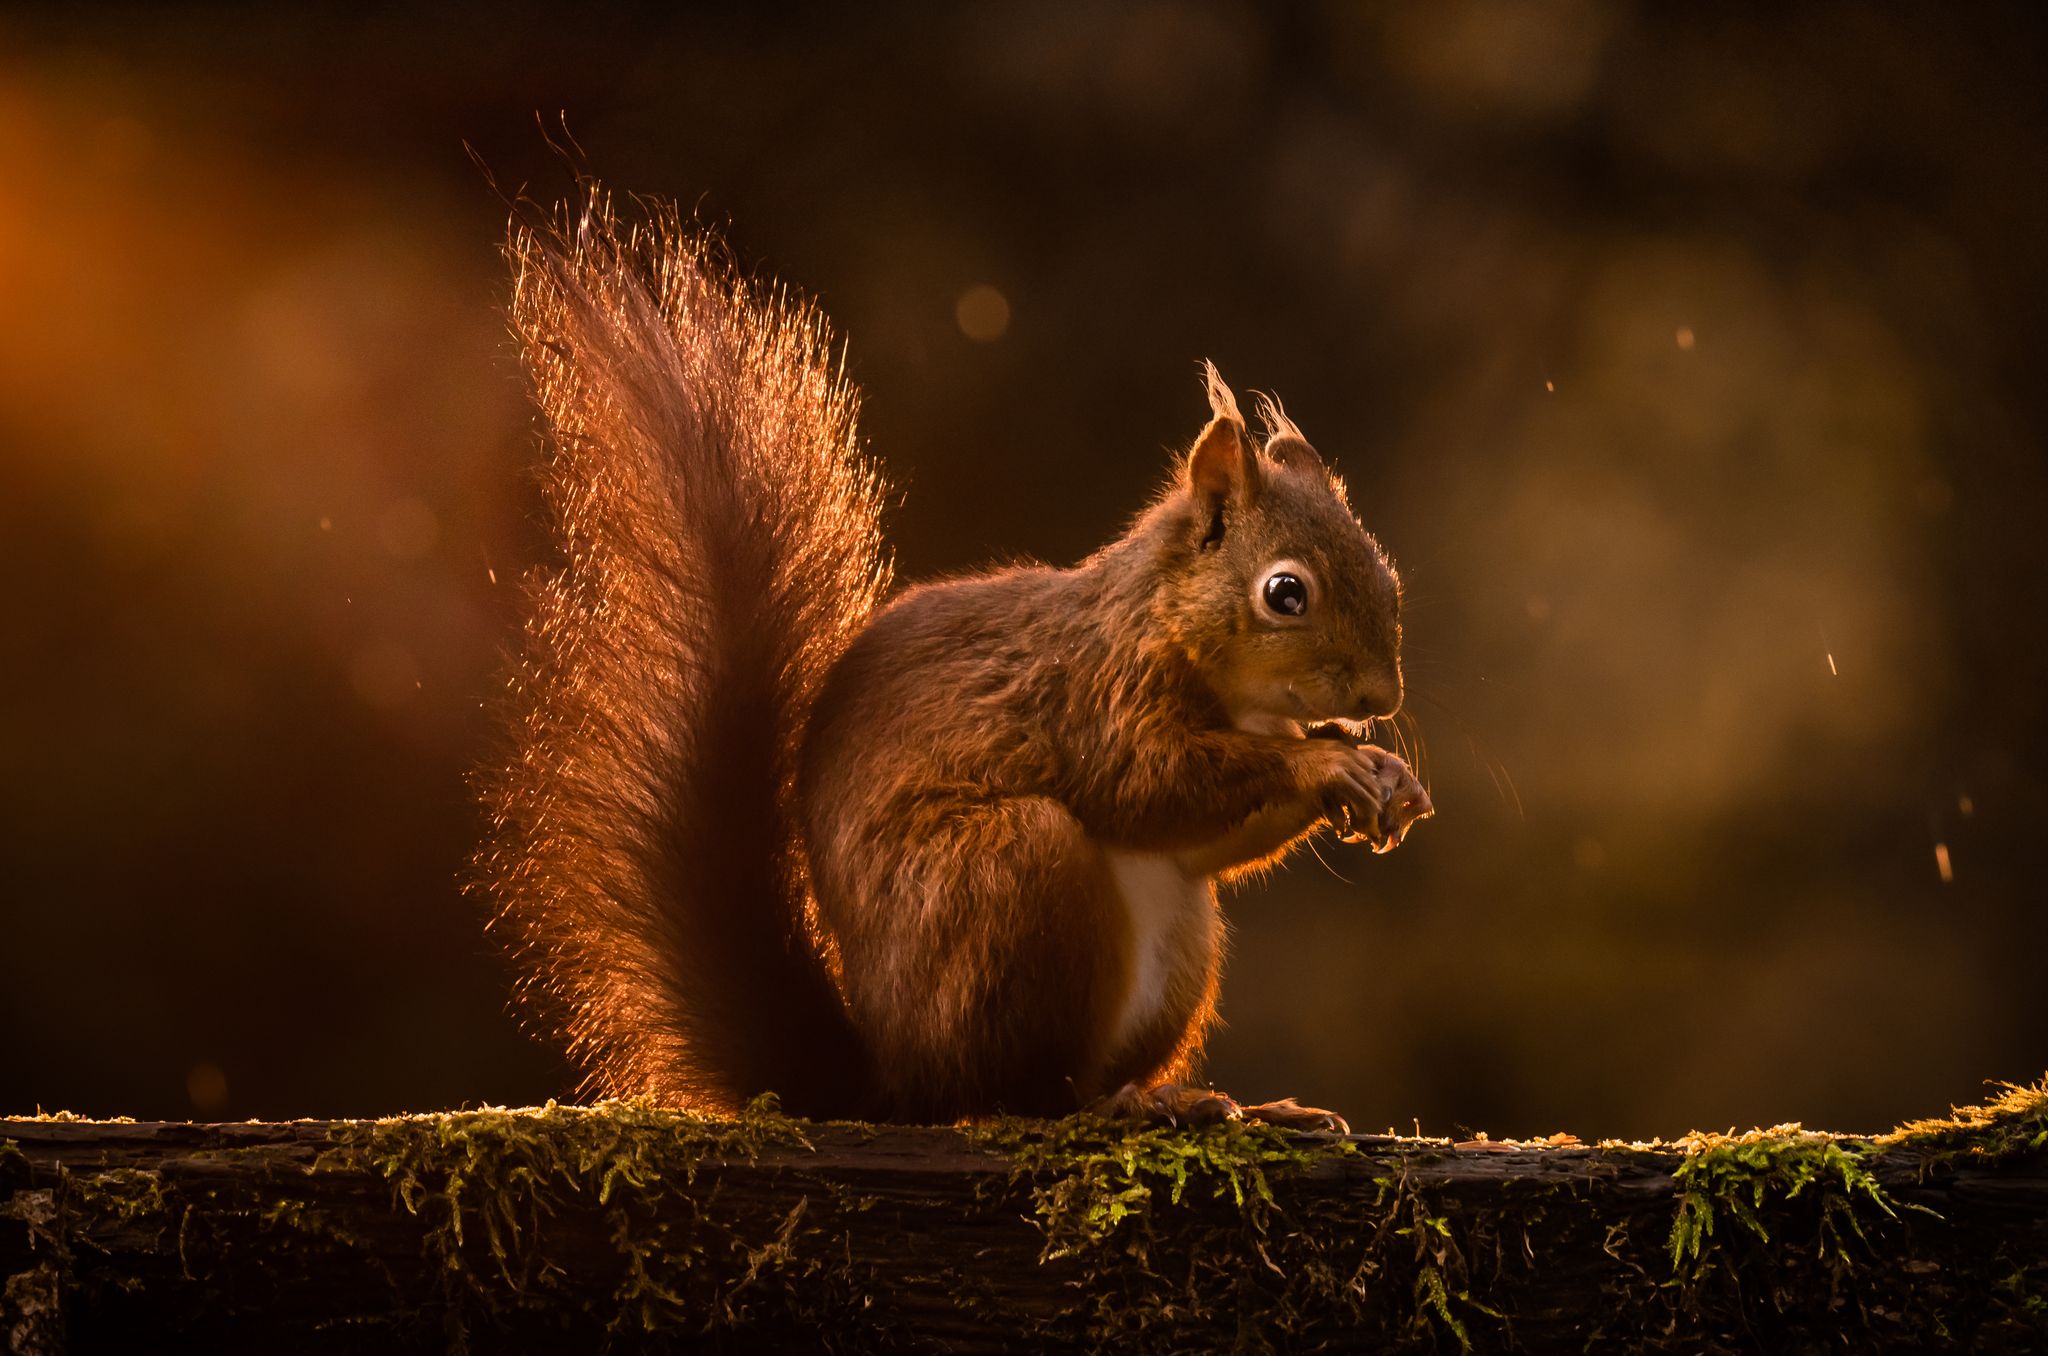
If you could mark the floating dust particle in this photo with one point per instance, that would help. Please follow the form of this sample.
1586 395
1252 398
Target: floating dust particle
408 529
982 313
1831 666
207 1086
1685 337
1965 806
1550 386
1941 864
490 574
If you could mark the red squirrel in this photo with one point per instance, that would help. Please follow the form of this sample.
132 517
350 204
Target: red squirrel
763 827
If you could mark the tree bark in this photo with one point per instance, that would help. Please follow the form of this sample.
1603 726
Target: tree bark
639 1228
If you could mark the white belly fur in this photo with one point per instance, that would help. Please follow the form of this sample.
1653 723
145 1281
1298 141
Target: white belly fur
1165 906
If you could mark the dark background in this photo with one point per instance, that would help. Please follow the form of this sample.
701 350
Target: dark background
1687 359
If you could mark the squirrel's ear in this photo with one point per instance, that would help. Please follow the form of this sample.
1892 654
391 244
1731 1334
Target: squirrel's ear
1294 453
1285 446
1222 469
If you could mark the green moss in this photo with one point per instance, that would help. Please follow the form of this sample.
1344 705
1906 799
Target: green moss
1168 1234
1099 1190
1091 1177
1780 1205
486 1183
2011 1125
1777 1217
1726 1181
115 1201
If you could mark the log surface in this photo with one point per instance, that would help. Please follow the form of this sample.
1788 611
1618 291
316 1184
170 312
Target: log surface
633 1229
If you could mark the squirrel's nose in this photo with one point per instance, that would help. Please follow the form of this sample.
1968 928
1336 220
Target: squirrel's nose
1379 698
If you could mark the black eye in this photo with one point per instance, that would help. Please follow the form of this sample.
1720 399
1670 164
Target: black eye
1286 595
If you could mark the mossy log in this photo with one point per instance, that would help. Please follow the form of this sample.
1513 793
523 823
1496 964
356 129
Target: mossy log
628 1227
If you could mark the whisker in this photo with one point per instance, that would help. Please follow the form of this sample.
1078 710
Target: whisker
1317 854
1503 781
1491 771
1419 765
1396 730
1514 791
1393 736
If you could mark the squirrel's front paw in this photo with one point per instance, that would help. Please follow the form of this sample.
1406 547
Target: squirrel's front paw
1395 801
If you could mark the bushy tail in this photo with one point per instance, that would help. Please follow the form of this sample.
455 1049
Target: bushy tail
720 545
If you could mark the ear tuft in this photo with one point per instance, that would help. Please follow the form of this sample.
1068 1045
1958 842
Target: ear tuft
1222 401
1285 445
1275 420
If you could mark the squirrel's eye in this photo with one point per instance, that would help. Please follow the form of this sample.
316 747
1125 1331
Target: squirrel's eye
1286 595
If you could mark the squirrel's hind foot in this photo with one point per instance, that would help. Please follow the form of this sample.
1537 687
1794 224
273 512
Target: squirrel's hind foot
1177 1104
1174 1104
1289 1114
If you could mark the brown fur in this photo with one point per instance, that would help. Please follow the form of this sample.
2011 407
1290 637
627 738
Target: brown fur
756 835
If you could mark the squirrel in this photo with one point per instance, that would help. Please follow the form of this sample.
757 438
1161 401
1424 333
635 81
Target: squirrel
760 826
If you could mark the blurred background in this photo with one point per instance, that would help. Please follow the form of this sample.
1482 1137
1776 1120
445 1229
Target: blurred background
1687 359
